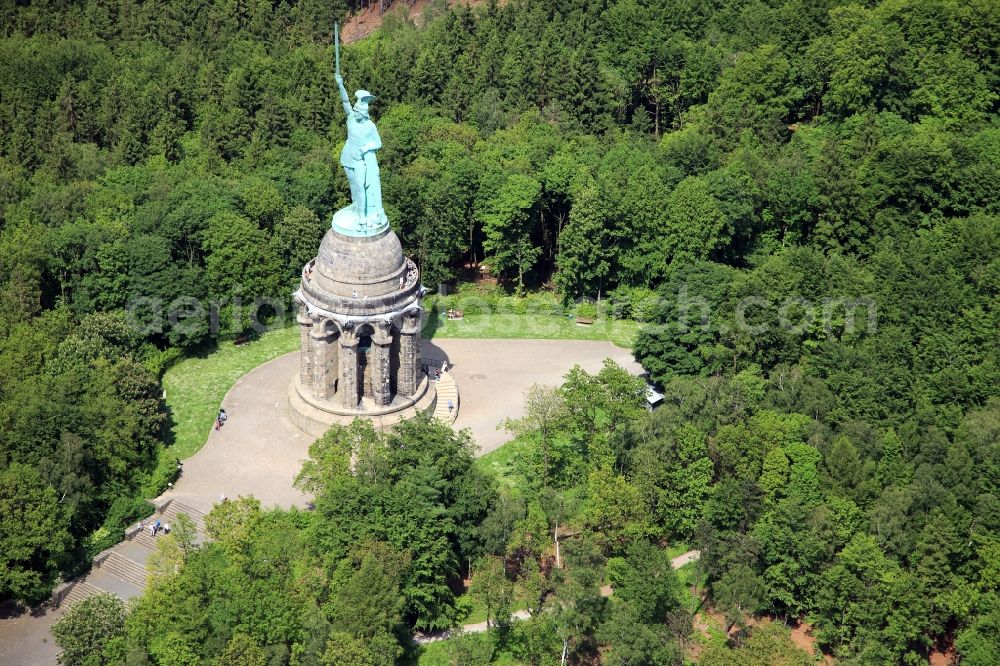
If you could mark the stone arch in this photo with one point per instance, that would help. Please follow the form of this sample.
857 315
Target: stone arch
365 328
325 327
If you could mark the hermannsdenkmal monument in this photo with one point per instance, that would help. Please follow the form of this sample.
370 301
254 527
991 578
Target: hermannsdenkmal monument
359 311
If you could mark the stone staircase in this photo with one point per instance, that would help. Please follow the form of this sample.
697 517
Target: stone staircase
126 569
77 591
176 508
447 390
167 515
143 538
118 569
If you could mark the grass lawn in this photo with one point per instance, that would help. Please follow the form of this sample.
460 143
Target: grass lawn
477 612
536 326
434 654
501 462
195 387
444 653
689 576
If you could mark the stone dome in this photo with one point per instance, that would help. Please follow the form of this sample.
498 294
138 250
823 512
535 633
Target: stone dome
360 275
345 263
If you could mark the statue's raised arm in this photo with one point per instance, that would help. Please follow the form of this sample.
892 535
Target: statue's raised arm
344 99
365 216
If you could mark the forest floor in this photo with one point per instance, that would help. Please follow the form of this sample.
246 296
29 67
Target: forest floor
434 651
709 629
802 636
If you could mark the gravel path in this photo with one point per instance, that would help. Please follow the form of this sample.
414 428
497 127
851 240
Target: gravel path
480 627
684 558
25 639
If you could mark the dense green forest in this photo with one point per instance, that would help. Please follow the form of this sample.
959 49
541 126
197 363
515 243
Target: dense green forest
736 174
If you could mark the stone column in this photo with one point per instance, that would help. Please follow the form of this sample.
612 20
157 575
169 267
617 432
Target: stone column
381 343
305 347
347 387
323 353
409 354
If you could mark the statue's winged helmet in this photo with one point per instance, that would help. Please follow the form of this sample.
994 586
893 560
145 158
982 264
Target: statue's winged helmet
364 98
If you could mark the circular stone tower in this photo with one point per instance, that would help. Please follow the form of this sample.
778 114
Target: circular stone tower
359 319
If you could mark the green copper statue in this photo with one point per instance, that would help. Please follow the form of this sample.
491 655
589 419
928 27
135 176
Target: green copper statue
365 216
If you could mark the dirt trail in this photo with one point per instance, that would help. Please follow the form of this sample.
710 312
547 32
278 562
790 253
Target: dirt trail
684 558
802 636
365 22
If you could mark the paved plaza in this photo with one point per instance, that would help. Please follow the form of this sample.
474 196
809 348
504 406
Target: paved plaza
492 375
258 452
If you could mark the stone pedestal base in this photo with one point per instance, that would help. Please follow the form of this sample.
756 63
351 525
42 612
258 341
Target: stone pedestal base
314 417
347 221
